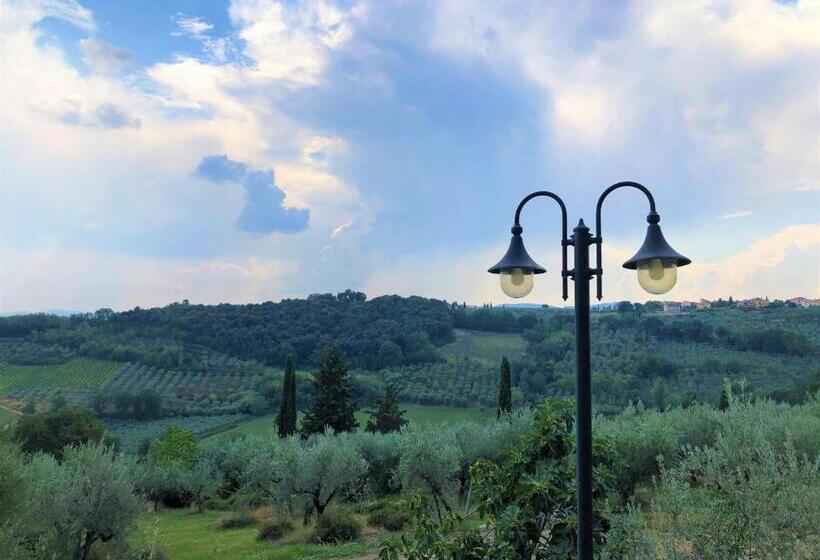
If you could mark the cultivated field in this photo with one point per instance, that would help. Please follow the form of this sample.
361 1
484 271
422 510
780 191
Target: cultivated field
484 346
75 373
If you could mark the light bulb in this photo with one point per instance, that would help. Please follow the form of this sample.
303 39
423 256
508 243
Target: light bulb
516 282
657 276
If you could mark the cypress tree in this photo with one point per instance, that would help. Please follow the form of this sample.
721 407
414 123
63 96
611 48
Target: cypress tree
724 400
504 388
335 401
387 416
286 421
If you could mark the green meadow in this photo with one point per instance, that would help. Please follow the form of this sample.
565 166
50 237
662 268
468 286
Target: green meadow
185 535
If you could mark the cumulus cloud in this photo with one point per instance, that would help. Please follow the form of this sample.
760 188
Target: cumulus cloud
264 210
103 57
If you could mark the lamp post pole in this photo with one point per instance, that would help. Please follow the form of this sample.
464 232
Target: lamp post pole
656 263
581 276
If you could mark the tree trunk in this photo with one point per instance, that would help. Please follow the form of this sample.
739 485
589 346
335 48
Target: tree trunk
86 546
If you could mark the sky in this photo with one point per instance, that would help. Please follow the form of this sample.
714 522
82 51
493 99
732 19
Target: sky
255 150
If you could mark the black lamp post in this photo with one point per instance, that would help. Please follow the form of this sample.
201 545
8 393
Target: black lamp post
656 263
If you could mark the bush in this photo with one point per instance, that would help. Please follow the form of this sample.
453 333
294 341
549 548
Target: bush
388 518
273 529
335 527
238 520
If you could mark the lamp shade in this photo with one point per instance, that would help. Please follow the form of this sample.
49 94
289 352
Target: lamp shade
517 257
655 247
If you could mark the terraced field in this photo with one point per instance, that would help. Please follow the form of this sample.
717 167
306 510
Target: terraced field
77 373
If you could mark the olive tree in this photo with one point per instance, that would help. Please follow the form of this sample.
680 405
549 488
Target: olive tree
319 470
86 499
429 462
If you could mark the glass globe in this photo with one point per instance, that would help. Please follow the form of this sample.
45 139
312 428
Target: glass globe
516 282
657 276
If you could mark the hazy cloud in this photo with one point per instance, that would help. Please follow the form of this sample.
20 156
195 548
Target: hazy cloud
103 57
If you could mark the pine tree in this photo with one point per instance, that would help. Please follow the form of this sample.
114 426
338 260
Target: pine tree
504 388
334 402
387 416
286 421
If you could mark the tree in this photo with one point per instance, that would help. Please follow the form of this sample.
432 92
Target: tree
177 446
504 389
50 432
334 403
724 399
86 499
286 420
625 307
387 417
319 470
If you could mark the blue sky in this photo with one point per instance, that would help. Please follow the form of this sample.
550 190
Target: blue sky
253 150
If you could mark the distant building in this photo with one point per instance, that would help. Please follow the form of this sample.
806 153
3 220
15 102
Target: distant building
753 303
703 304
804 302
672 307
608 306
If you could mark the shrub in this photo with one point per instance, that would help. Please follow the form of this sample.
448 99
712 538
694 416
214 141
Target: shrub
149 553
335 527
238 520
272 529
389 518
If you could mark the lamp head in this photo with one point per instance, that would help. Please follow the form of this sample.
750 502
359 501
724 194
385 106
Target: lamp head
516 268
656 261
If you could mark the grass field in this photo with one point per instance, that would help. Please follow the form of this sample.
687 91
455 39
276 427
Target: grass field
184 535
78 372
484 346
264 425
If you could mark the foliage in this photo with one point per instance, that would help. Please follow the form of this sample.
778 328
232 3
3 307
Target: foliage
267 332
387 416
528 499
71 506
504 388
494 320
389 517
50 432
336 526
273 529
133 435
177 446
318 471
756 500
286 421
334 403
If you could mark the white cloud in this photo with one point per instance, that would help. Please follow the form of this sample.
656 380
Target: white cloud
291 41
191 25
729 81
735 215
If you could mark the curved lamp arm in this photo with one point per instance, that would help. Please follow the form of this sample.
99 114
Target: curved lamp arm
652 218
517 227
